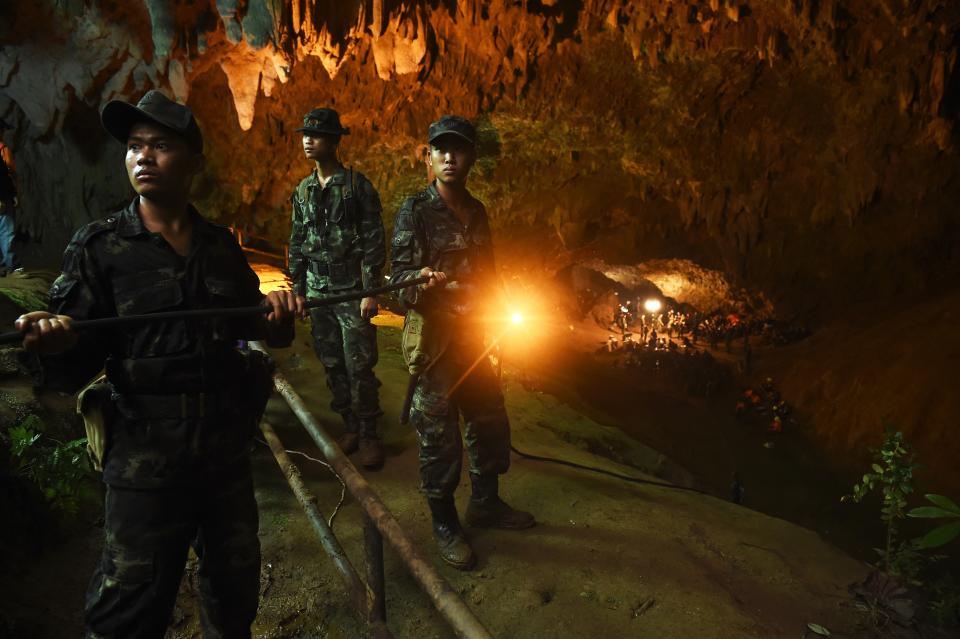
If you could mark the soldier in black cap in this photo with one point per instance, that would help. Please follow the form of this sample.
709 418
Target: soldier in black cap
443 233
337 244
185 402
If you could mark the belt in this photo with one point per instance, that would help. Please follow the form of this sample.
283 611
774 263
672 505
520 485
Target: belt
334 269
182 406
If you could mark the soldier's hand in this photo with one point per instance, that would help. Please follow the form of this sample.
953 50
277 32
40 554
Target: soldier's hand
368 307
285 305
437 278
46 333
300 306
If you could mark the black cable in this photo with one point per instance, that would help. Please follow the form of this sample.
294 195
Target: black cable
636 480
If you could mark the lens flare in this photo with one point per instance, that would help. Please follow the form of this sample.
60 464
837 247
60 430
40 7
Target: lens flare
516 318
652 305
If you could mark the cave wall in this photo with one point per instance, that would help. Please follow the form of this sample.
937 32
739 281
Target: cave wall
806 148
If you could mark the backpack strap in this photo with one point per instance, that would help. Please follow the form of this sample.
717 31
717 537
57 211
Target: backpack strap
350 200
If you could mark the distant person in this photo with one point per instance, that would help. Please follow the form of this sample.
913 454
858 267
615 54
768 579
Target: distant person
737 490
337 246
9 262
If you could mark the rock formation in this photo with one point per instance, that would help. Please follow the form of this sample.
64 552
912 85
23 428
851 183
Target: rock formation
806 149
798 146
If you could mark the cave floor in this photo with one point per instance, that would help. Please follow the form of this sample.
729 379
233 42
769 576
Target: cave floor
603 547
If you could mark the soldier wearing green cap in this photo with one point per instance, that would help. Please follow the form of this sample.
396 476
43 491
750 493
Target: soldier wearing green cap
183 401
337 244
443 232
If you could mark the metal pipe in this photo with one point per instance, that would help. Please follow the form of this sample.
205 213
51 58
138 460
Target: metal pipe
205 313
443 596
359 592
373 550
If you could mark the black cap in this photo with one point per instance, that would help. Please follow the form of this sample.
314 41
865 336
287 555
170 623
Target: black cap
118 118
323 122
453 125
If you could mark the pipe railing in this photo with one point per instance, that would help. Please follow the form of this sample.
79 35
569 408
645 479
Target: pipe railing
380 525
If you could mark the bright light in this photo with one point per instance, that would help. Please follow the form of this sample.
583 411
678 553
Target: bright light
516 318
652 305
272 278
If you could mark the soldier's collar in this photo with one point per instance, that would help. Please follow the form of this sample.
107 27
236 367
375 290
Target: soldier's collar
338 177
130 224
437 202
202 224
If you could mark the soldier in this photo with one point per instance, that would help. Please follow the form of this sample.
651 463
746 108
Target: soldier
185 402
336 245
443 233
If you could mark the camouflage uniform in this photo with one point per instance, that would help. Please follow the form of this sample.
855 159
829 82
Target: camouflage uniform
428 233
177 466
336 245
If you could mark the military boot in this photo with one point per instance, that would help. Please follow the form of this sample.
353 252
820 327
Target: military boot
371 451
487 510
350 440
453 544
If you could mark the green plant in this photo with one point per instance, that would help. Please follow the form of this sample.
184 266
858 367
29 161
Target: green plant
943 508
891 472
59 469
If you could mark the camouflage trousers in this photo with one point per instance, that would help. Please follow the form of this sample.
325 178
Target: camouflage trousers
346 345
147 536
435 412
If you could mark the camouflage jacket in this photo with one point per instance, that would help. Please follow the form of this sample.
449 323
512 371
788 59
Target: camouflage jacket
116 267
337 237
427 232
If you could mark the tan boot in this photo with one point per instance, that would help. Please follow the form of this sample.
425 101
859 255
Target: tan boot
371 453
487 510
451 541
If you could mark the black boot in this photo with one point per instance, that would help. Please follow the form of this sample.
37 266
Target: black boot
487 510
371 451
350 440
453 544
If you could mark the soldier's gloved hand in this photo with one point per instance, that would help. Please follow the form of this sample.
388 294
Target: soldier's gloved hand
286 305
368 307
437 278
46 333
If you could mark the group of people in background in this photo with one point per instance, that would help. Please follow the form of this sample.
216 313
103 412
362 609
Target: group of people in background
676 345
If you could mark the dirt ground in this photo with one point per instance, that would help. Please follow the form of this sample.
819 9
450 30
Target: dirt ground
603 547
608 558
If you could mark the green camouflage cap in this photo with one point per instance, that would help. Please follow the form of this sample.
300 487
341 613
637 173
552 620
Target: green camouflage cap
452 125
323 121
118 117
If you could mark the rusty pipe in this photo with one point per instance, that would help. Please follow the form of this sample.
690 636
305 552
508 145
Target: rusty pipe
443 596
359 592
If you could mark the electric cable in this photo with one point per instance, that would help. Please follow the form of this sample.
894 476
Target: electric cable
343 486
610 473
